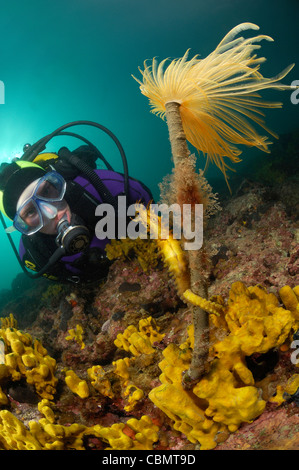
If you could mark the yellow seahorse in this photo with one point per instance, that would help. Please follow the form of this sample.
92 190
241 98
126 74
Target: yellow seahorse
175 259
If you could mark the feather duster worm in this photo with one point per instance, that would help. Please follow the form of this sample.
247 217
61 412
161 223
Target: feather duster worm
217 96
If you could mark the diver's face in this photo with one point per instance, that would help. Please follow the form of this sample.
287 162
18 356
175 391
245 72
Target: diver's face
41 207
62 209
31 217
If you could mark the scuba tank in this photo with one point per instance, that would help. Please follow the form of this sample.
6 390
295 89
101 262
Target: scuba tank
72 239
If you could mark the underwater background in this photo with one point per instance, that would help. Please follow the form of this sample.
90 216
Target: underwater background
69 60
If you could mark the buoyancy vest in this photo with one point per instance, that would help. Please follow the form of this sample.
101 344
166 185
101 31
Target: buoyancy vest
83 198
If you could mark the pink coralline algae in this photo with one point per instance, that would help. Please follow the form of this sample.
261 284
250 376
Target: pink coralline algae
273 430
254 241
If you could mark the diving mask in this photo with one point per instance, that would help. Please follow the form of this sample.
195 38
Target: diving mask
39 203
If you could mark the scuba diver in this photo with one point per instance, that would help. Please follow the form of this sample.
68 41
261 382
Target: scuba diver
52 200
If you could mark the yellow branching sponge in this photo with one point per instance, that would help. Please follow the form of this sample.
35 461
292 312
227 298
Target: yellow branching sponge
26 357
283 392
139 342
290 299
121 368
44 407
130 392
9 322
100 381
133 394
3 398
14 435
76 385
144 250
76 334
136 342
132 341
145 433
230 401
45 434
180 405
254 322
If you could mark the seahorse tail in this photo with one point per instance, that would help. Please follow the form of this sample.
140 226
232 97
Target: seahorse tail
206 305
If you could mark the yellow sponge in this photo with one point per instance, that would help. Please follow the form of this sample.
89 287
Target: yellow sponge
76 384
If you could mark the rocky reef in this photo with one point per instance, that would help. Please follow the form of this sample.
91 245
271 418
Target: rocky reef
100 367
